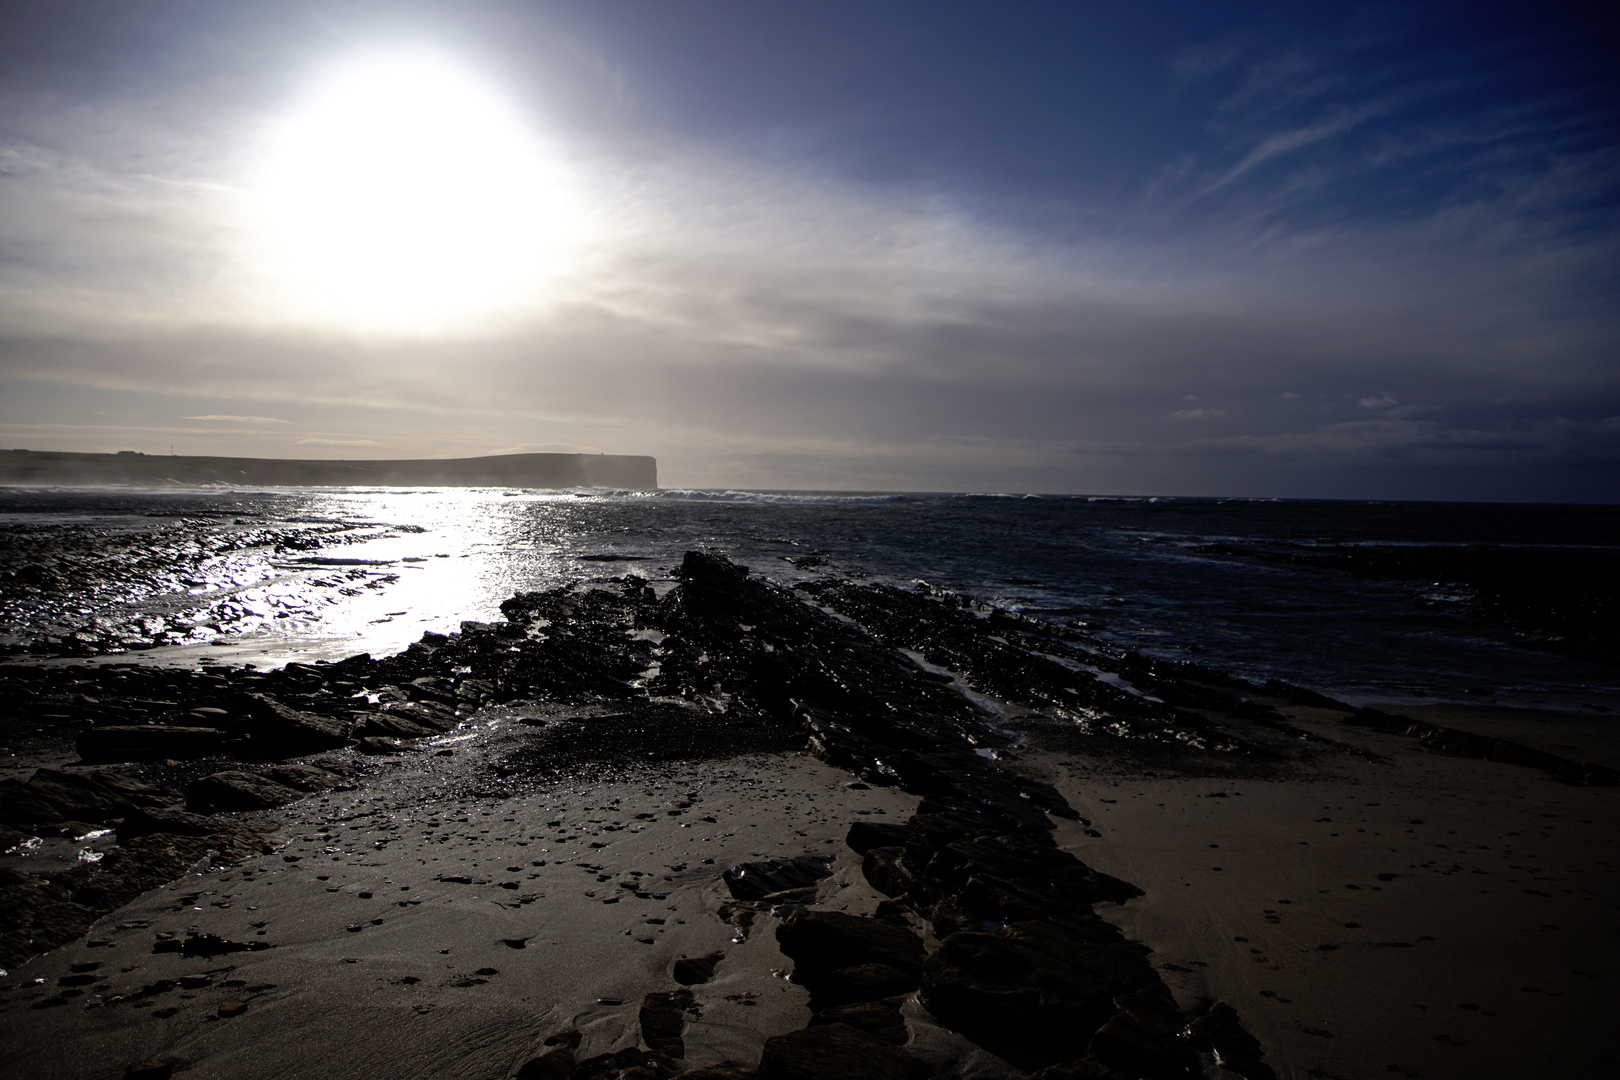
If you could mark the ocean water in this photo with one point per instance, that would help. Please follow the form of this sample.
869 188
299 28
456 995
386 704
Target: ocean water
188 575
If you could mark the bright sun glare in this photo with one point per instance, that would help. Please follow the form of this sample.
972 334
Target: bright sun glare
404 196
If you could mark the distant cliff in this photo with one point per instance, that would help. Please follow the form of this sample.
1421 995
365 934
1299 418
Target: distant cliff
47 468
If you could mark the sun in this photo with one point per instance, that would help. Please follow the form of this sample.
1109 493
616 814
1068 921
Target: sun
405 195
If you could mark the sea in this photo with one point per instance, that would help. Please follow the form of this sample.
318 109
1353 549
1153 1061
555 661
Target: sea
1298 590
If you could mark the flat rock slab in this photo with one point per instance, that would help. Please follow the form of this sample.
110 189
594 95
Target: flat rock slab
840 1050
173 822
22 805
863 836
826 941
285 729
1023 990
859 983
238 791
391 726
880 1019
435 718
148 742
78 797
304 777
695 970
758 880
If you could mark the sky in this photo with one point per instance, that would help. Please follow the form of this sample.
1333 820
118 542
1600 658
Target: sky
1177 248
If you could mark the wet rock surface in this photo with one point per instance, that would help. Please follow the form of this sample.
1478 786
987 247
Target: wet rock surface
185 577
837 1050
235 790
776 879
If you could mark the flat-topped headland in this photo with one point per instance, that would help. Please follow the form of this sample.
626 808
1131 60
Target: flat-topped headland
635 472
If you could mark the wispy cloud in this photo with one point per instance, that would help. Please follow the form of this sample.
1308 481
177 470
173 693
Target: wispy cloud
222 418
337 442
1353 131
1285 142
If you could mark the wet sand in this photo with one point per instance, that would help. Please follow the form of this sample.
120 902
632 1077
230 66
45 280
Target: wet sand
1421 915
384 963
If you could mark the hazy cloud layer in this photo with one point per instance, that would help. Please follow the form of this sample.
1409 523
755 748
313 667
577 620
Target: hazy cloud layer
1354 274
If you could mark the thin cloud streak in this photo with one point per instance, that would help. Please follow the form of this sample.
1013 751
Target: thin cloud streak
1285 142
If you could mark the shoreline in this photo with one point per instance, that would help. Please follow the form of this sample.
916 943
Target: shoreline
311 576
1097 760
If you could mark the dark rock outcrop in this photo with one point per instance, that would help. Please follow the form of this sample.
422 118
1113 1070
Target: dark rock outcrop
662 1017
149 742
277 728
879 1019
1013 990
863 836
827 1050
695 970
824 941
762 880
238 791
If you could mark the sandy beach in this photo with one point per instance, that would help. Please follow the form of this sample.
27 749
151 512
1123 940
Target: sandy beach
1416 915
422 933
1112 877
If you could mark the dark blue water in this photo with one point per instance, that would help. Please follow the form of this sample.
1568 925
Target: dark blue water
1128 569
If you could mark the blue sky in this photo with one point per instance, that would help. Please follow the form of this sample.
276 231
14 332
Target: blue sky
1301 250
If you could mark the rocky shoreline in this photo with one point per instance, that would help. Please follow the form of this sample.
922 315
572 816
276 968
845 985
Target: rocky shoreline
986 922
83 591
